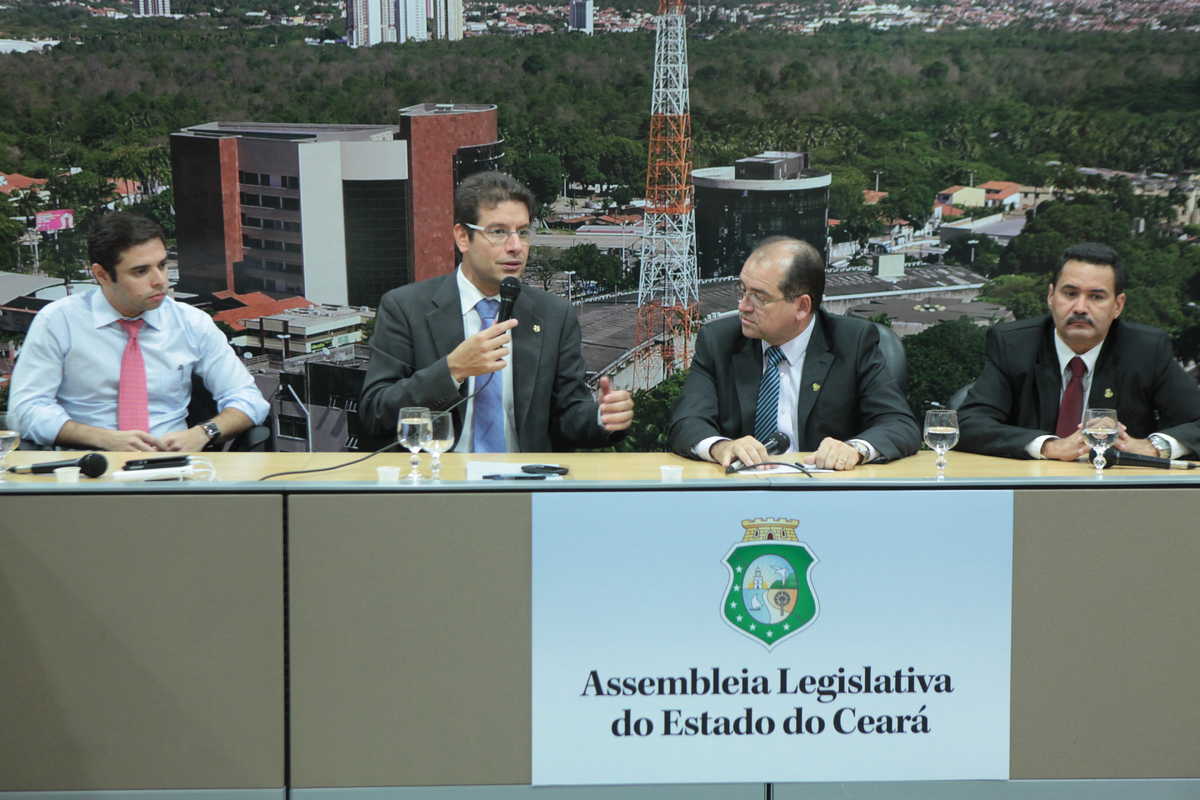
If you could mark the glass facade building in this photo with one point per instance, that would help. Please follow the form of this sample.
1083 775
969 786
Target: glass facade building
772 194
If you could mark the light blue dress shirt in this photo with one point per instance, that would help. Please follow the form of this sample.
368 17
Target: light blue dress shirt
70 365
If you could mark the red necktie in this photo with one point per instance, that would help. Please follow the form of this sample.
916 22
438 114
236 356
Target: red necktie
133 412
1070 410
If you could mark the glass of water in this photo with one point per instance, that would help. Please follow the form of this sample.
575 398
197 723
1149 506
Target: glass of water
8 443
941 434
412 429
441 439
1100 430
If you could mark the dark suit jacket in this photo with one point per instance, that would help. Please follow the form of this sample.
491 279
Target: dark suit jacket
419 324
846 390
1016 397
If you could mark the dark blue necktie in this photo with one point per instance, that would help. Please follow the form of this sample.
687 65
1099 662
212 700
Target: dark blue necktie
487 423
766 411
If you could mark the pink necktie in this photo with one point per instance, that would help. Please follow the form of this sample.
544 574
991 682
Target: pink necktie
133 412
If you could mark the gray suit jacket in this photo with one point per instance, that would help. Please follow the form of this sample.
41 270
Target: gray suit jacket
1017 395
846 391
419 324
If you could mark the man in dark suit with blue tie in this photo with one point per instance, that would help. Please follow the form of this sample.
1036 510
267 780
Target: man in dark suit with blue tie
782 364
437 342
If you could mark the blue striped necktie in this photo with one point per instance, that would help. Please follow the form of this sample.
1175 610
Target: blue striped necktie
487 419
766 411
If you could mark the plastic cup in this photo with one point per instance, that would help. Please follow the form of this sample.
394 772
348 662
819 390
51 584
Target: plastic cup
388 474
671 473
67 474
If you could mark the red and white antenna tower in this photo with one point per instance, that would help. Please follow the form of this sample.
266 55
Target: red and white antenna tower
669 290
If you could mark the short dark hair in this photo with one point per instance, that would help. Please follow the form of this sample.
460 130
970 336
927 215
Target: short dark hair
488 190
1093 253
115 233
805 269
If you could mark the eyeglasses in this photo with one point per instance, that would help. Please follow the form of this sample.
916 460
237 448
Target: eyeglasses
500 235
757 298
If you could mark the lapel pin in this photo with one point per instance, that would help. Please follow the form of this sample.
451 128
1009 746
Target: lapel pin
537 328
816 387
1108 393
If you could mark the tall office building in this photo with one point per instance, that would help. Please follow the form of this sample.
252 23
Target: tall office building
772 193
372 22
152 8
336 213
448 19
579 16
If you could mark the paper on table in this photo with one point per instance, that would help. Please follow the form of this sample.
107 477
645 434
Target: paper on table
779 470
477 469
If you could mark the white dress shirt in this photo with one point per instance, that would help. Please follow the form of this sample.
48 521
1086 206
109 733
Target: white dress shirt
70 367
469 295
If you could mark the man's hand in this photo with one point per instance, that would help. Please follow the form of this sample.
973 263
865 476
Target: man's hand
747 450
193 440
1128 444
834 454
616 408
88 437
1071 448
482 353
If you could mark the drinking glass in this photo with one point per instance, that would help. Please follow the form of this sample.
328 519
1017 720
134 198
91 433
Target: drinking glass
412 429
1100 431
941 434
8 443
441 439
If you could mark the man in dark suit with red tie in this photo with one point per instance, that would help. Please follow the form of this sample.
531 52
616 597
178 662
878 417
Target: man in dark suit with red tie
1041 374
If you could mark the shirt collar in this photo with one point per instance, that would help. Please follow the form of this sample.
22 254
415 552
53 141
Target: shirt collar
1065 354
104 314
795 348
468 293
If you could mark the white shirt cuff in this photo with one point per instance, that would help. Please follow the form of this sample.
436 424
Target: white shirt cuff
705 445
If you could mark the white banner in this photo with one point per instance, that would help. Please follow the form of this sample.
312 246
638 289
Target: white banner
760 636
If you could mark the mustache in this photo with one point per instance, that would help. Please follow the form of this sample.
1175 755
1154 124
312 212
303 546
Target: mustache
1081 318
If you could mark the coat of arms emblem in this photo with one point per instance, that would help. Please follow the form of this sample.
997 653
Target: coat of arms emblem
770 595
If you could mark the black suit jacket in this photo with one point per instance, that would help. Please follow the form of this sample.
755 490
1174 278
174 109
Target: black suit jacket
1016 397
846 390
419 324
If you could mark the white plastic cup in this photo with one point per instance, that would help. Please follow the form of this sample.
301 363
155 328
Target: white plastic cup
671 473
67 474
388 474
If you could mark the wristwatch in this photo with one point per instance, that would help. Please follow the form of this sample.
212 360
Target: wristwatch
211 431
1160 444
864 452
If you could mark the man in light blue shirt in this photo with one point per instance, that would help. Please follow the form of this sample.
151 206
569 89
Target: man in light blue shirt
65 384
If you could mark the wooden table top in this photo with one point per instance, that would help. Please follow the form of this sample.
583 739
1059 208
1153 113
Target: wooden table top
965 469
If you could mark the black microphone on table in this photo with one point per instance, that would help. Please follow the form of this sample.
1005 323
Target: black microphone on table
92 465
1119 458
510 288
778 442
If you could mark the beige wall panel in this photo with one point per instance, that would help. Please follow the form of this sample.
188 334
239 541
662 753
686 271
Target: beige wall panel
1106 638
410 639
141 642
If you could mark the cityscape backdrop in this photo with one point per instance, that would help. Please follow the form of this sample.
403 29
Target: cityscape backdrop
302 158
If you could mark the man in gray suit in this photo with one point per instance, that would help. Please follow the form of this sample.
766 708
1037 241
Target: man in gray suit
436 342
782 364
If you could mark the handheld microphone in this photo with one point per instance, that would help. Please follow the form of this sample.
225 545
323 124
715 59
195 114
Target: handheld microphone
510 288
92 465
1120 458
778 442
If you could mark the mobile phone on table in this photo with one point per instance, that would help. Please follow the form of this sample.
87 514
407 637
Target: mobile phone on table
162 462
544 469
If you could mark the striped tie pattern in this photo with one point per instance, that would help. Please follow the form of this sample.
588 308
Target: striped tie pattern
766 411
487 421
